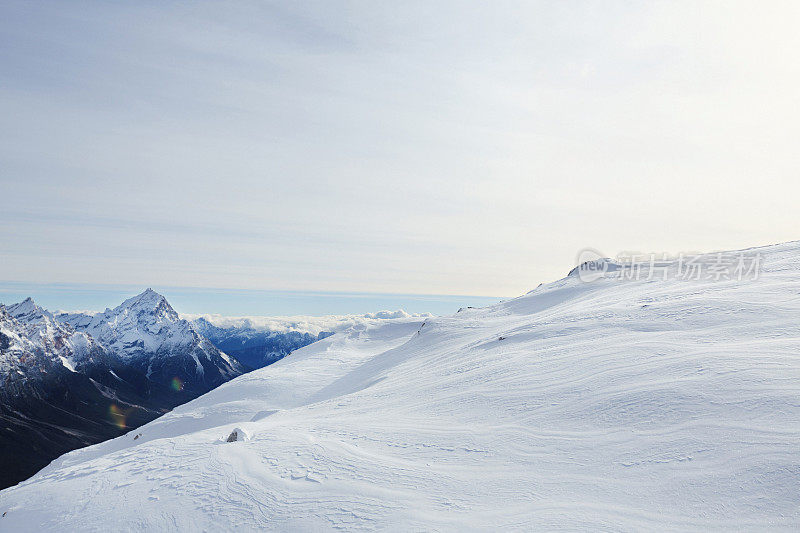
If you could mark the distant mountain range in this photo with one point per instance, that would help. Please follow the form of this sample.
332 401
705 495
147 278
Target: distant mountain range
74 379
254 347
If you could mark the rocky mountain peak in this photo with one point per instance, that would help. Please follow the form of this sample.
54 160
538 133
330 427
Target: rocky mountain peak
148 301
28 311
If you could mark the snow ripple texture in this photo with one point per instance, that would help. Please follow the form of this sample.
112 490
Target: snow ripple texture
604 406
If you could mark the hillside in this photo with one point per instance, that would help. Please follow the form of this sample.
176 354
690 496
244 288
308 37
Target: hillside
664 403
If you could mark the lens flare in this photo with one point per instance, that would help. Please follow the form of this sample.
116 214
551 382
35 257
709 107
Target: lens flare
177 384
118 416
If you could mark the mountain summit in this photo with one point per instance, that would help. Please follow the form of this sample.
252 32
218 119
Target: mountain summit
148 333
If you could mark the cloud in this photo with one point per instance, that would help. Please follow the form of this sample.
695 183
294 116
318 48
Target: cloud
304 324
425 148
390 314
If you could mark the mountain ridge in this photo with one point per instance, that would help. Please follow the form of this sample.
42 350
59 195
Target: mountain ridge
65 388
147 332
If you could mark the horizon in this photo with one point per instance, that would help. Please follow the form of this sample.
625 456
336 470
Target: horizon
238 302
93 297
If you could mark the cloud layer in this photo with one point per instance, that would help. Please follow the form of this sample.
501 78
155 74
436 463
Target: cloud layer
304 324
425 148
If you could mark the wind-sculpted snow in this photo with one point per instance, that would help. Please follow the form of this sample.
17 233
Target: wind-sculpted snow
611 405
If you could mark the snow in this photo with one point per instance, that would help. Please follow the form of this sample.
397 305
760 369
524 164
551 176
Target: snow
144 324
302 324
622 405
145 328
20 347
25 308
37 335
238 435
68 364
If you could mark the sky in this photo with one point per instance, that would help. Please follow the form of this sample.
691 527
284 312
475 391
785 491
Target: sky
395 149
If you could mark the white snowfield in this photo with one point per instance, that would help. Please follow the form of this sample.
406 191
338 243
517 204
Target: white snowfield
611 405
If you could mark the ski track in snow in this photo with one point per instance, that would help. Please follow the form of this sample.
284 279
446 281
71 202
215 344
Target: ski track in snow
670 405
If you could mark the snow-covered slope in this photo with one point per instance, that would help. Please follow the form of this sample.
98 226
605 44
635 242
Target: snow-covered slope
611 405
146 331
258 341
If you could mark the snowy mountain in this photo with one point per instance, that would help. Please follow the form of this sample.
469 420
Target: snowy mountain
17 351
77 379
252 347
146 332
60 390
654 403
49 336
